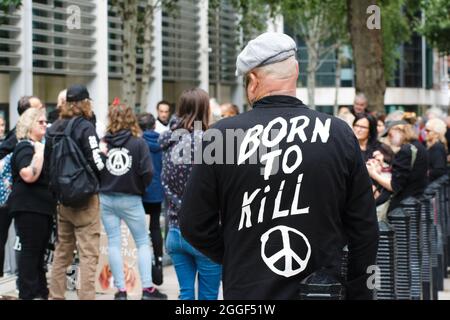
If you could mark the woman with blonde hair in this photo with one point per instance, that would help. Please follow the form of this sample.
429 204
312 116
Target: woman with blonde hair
435 130
409 166
128 173
31 203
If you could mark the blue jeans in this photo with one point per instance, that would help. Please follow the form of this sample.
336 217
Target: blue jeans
188 262
116 207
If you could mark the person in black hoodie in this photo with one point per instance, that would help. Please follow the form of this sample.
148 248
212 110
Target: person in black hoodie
128 173
273 225
154 195
77 227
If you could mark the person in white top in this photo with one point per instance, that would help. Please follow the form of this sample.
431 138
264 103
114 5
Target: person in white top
163 116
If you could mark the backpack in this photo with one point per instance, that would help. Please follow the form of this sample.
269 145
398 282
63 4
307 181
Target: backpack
6 180
72 180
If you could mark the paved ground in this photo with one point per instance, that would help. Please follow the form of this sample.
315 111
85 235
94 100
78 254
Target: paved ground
169 287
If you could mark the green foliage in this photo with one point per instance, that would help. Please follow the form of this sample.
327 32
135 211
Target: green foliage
437 24
7 5
396 30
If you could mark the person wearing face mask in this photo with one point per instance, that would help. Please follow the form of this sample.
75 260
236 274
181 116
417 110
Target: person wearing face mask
409 166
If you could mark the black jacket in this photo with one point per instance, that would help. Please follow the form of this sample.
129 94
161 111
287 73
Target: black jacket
128 166
8 145
84 135
29 197
235 216
408 181
437 165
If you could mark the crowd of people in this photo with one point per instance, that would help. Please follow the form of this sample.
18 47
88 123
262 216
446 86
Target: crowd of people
326 196
126 192
403 152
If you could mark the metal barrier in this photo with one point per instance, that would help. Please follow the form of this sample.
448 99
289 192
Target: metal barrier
321 285
400 220
386 261
412 207
414 245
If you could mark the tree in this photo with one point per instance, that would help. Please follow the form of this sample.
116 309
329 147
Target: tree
137 24
8 6
367 45
436 24
321 25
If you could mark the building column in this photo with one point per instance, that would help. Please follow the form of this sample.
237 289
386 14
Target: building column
21 82
98 85
204 45
155 93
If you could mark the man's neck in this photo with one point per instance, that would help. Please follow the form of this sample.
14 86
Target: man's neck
289 92
163 122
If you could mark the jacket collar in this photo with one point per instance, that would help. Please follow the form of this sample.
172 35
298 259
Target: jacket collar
279 102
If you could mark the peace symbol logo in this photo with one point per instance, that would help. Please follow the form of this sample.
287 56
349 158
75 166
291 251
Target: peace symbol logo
119 161
287 253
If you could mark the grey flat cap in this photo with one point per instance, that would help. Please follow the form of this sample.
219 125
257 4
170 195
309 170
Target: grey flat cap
268 48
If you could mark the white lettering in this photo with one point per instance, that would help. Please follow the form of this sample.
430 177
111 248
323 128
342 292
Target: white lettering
246 210
251 136
323 130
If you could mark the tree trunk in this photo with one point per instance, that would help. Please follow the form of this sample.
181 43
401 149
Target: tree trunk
129 40
367 54
313 61
147 52
337 79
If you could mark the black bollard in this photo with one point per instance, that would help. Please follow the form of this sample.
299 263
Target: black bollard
400 221
430 192
321 285
425 244
412 207
386 261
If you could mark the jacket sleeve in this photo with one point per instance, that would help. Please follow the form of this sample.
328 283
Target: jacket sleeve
145 163
199 215
9 144
438 161
361 228
90 147
401 168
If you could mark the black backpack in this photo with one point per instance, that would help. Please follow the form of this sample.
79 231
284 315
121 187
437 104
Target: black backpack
72 179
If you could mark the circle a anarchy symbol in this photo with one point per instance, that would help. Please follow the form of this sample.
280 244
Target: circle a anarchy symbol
287 253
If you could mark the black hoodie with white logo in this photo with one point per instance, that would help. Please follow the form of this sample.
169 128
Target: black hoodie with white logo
129 166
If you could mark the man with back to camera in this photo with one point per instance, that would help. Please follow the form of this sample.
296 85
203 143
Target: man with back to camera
290 213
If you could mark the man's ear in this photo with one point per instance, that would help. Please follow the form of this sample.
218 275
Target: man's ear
253 82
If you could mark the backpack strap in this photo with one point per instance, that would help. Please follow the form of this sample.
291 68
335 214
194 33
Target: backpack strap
69 127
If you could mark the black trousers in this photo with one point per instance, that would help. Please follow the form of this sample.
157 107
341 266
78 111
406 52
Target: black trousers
154 210
5 223
34 231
